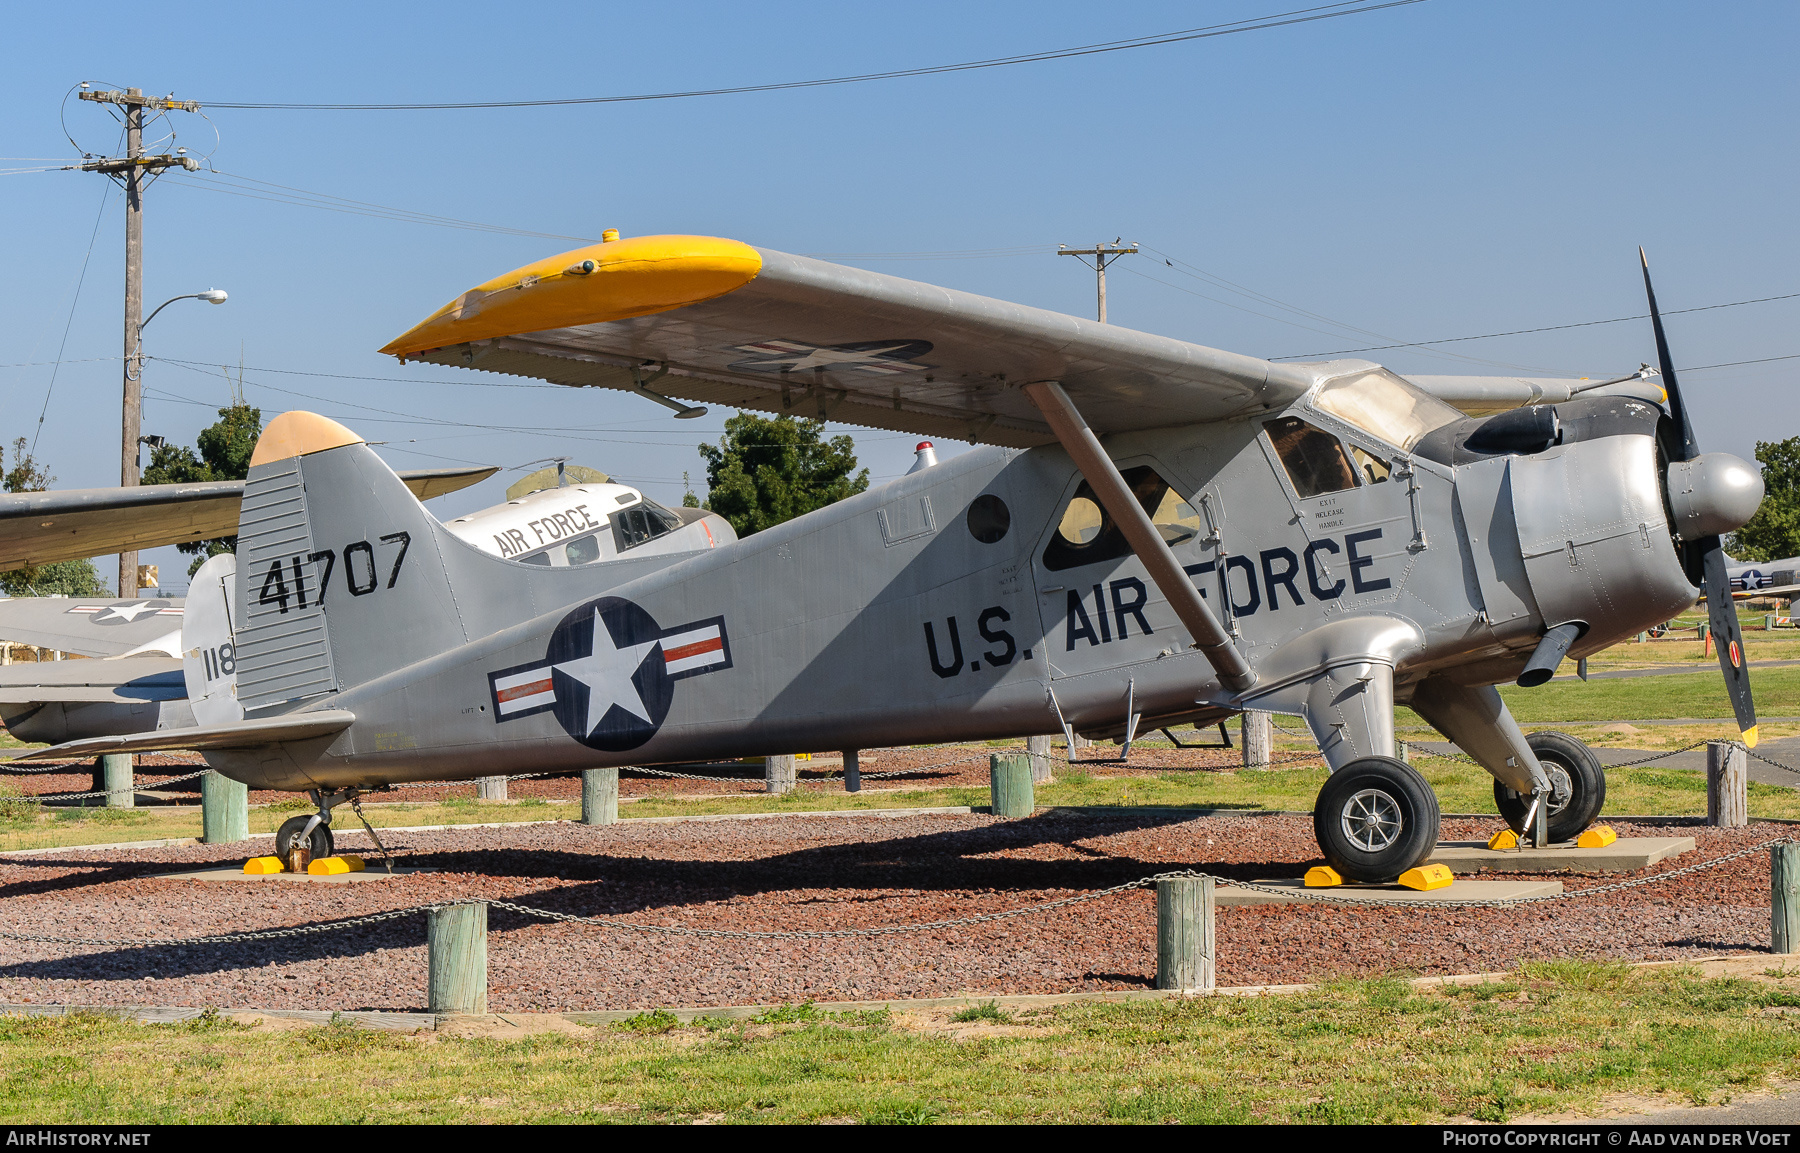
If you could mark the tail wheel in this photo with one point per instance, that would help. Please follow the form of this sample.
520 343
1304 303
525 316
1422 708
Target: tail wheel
1577 787
320 845
1376 818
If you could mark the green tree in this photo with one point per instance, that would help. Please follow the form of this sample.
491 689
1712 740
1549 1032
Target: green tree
1774 532
73 578
764 472
225 448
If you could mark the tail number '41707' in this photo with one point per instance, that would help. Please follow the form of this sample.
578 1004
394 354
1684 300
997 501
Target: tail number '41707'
286 579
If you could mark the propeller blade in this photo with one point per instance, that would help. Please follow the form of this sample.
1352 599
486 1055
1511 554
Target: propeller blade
1685 448
1721 611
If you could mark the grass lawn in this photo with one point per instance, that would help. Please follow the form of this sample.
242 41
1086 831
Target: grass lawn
1554 1037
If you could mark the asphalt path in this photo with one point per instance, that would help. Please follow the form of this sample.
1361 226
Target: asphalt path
1709 667
1786 750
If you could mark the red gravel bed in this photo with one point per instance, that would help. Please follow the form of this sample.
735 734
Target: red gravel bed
797 873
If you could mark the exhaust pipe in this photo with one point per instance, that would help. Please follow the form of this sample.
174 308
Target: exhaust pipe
1550 653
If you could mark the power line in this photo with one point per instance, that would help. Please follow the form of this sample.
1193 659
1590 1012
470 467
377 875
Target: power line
1547 328
105 199
1255 24
301 198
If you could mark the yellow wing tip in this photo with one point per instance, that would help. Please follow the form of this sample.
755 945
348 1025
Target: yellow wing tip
1750 737
614 280
298 433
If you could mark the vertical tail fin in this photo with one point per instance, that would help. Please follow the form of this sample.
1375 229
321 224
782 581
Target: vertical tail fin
340 573
209 651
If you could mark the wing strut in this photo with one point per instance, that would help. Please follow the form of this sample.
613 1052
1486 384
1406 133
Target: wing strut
1115 496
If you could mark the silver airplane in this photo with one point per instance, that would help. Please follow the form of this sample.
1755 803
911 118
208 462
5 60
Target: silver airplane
1151 532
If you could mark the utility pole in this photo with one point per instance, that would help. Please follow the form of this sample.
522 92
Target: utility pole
131 170
1103 254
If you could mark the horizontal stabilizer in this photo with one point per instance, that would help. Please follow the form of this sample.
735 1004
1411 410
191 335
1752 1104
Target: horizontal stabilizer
242 735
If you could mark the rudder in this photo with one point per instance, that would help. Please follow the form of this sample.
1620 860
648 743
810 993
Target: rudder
340 574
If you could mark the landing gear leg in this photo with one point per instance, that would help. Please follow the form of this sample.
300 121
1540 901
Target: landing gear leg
1478 721
1376 817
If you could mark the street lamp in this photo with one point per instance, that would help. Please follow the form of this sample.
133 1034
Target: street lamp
129 460
211 296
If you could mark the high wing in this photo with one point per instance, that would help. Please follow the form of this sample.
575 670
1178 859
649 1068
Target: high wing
1484 395
43 527
719 322
93 626
716 321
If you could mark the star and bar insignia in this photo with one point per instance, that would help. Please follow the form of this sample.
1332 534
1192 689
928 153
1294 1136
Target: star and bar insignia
608 673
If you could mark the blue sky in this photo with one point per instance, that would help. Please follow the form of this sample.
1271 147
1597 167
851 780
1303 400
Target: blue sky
1450 168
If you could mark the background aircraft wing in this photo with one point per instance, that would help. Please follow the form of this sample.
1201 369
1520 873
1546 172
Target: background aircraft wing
718 322
42 527
138 679
91 626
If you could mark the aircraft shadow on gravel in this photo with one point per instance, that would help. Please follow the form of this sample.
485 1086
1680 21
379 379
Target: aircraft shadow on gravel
628 886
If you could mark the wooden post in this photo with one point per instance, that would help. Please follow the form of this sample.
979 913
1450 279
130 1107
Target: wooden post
1727 778
1184 933
778 774
490 788
852 772
1403 750
115 772
224 810
600 796
1784 898
1009 785
1038 749
456 946
1259 739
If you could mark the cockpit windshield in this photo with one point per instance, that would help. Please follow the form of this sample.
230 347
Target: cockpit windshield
1385 406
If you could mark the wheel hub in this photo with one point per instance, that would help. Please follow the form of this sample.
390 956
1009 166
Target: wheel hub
1372 820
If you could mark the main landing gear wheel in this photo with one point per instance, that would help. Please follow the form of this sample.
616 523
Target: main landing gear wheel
1376 818
320 845
1577 787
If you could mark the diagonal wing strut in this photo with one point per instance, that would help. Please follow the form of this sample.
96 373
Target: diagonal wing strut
1115 495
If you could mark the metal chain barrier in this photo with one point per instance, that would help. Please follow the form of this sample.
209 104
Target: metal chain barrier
135 788
1323 897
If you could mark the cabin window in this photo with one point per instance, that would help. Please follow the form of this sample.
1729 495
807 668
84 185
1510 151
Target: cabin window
1384 405
1314 458
644 523
584 549
1087 535
541 559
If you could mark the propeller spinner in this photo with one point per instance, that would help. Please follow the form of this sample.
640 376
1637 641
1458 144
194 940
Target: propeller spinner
1710 493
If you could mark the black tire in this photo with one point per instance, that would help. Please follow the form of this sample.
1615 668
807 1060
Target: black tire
322 845
1578 781
1376 818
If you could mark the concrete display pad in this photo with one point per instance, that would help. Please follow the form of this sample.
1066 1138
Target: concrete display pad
1388 894
236 873
1625 855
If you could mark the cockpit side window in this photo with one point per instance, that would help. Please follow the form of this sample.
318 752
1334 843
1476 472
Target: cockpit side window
642 523
1314 458
1087 534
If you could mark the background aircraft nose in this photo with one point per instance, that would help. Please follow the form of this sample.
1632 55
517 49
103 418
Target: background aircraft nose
1713 494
